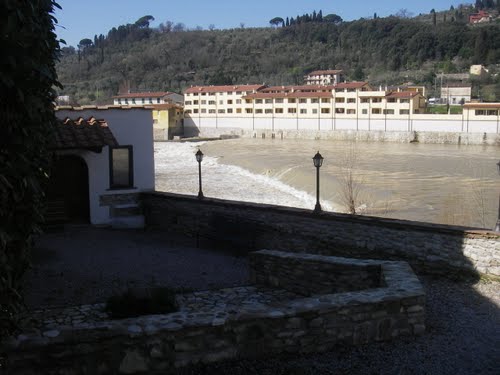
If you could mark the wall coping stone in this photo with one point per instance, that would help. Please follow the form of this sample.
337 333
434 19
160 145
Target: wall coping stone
398 224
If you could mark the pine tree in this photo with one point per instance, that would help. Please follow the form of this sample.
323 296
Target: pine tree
488 4
480 47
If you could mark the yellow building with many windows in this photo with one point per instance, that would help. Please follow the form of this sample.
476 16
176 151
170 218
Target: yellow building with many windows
214 110
352 99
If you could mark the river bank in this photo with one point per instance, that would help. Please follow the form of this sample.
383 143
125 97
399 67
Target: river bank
448 184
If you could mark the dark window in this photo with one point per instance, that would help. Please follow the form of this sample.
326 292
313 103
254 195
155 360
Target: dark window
121 167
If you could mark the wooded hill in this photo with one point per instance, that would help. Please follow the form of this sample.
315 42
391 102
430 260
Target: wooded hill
391 50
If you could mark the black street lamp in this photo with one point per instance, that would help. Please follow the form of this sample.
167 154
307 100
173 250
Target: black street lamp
318 162
497 227
199 159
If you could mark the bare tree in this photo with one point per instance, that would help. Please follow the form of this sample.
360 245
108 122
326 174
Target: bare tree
404 13
178 27
166 27
349 180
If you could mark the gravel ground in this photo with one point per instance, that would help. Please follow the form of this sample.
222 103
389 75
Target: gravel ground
85 265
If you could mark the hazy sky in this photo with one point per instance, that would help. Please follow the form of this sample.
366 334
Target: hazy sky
83 19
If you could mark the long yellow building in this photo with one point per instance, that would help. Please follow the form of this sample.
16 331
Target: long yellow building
344 106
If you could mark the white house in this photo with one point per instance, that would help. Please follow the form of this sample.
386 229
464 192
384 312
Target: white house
456 94
323 77
104 159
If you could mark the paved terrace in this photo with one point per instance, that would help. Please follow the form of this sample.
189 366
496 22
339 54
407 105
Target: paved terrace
85 265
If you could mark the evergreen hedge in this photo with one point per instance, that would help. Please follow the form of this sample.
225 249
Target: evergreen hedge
29 50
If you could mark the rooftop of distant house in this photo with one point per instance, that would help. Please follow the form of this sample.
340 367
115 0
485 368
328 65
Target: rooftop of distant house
324 72
157 94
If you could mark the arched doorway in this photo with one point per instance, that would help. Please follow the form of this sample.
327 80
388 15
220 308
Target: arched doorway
68 193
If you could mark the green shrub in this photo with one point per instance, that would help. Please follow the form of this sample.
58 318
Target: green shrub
137 302
29 49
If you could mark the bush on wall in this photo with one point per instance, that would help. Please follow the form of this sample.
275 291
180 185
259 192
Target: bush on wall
29 49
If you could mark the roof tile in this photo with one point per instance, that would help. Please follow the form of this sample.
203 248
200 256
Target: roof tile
82 134
227 88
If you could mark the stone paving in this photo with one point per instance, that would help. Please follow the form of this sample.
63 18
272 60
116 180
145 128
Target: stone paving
227 300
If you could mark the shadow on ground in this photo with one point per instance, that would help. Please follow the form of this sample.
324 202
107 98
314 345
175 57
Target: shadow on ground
86 265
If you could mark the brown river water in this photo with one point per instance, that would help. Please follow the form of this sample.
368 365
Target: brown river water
447 184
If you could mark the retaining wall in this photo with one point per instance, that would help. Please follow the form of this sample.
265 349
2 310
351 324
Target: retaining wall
431 137
431 248
161 343
309 274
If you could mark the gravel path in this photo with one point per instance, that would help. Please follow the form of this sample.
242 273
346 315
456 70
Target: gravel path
85 265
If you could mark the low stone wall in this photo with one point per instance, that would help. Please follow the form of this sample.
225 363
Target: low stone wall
243 226
255 326
309 274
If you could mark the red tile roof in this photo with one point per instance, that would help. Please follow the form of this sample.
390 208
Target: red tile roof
298 88
402 94
324 72
351 85
82 134
295 94
228 88
158 94
475 17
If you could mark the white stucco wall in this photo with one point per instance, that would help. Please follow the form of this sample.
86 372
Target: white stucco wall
130 127
403 123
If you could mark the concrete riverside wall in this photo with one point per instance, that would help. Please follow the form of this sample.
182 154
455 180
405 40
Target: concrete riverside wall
161 343
433 128
431 137
309 274
427 247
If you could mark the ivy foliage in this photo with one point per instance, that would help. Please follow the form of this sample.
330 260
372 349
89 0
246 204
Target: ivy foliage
29 49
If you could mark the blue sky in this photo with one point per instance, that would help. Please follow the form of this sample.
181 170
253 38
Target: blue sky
83 19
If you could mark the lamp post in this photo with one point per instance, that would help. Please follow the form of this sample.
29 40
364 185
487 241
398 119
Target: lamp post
497 227
318 162
199 158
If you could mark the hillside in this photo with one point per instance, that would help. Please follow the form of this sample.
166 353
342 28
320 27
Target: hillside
388 50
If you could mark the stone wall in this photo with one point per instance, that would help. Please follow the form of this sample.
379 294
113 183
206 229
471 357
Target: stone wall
161 343
309 274
244 227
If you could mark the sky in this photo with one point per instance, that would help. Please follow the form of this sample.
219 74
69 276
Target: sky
80 19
